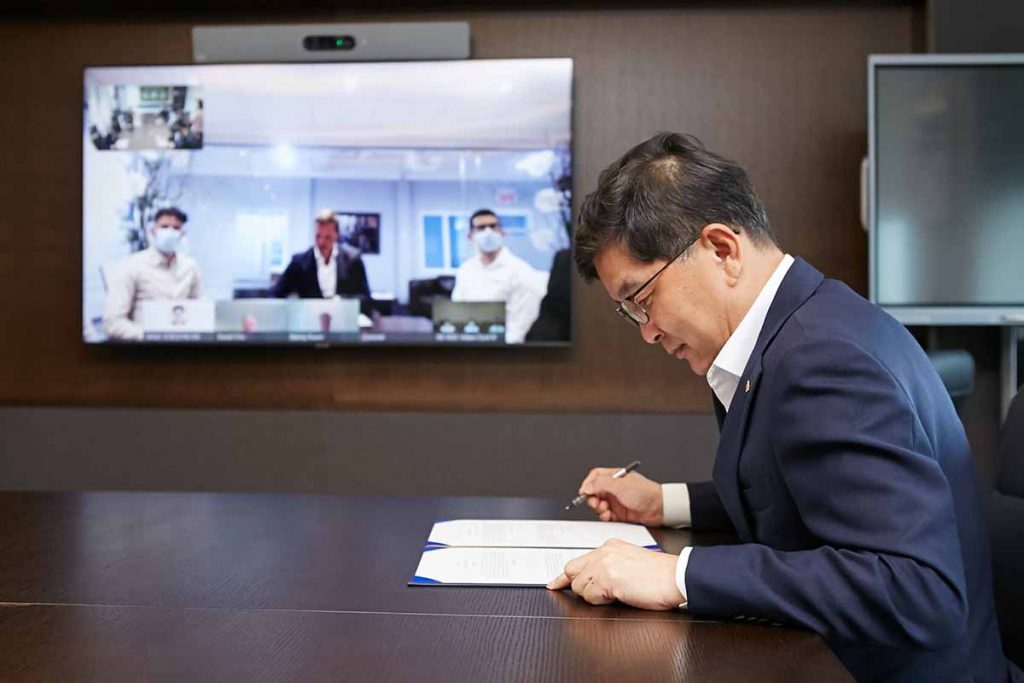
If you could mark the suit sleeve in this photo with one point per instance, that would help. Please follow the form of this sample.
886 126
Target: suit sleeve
196 289
459 290
285 284
120 300
357 278
865 481
706 510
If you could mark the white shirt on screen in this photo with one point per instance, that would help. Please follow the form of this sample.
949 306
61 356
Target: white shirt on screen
146 275
724 378
327 272
507 278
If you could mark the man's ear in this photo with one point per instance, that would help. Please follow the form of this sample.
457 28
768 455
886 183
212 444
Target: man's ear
727 247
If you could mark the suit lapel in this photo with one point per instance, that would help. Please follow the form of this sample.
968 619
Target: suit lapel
800 282
727 460
314 275
719 411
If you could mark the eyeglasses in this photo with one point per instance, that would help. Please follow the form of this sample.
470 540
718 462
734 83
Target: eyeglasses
629 309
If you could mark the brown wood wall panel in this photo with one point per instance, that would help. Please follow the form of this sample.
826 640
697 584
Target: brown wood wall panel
782 90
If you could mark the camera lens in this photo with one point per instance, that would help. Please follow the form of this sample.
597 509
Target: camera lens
319 43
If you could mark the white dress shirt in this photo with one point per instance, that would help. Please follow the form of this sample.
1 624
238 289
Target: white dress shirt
146 275
327 271
724 378
507 278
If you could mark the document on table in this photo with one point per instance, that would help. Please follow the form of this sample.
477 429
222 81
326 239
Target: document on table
501 552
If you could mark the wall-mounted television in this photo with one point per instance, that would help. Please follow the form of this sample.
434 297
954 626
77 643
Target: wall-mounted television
946 188
413 203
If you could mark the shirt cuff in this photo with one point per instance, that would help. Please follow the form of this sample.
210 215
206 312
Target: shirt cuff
684 559
675 501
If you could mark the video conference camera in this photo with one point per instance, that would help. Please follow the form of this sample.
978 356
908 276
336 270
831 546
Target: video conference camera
331 42
316 43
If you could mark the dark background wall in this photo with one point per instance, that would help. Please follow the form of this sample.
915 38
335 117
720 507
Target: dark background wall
976 25
525 454
779 88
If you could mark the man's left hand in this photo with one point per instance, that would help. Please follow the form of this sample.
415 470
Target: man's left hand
624 572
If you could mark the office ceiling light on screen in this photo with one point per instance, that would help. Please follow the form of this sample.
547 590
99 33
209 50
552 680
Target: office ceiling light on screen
537 164
284 155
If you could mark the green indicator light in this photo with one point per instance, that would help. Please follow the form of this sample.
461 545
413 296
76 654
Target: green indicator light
339 42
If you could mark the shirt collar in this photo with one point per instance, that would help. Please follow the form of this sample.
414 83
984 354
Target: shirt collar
498 261
157 258
733 357
320 256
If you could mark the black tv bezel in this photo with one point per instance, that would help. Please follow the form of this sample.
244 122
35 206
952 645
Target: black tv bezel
562 345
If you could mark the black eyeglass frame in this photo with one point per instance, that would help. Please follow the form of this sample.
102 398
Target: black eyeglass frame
496 225
640 316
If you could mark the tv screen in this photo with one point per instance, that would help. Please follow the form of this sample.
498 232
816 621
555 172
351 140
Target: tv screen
948 189
422 203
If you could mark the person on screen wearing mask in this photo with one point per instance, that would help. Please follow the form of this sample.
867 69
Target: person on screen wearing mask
157 272
325 270
494 273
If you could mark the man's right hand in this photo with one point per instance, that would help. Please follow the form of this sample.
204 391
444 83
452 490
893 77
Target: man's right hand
632 498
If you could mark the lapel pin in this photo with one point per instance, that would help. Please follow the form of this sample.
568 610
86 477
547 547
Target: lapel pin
746 388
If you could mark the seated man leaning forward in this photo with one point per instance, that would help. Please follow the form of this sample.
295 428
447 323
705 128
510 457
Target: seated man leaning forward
842 466
157 272
325 270
494 273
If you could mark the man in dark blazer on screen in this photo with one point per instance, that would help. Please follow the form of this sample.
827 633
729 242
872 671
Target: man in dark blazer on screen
325 270
842 465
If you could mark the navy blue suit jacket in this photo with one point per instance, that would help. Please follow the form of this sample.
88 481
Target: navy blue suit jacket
846 473
300 277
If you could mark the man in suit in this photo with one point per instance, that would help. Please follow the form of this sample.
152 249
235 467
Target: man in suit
325 270
842 465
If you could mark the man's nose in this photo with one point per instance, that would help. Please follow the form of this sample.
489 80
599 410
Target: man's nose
650 332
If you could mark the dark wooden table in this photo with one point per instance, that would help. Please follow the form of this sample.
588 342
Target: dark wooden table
196 586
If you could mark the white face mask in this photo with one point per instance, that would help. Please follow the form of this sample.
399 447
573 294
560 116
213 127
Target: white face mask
488 240
166 240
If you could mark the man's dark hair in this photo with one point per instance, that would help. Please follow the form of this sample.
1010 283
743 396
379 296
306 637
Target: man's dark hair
482 212
657 198
171 211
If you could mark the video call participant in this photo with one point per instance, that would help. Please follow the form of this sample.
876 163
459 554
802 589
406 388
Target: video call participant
325 270
494 273
325 322
178 318
157 272
249 323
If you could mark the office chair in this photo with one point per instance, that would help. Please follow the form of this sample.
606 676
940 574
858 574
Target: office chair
1007 523
423 292
956 370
